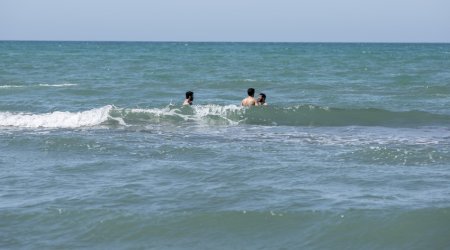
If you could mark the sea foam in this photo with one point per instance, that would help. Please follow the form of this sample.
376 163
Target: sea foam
197 113
56 119
10 86
57 85
301 115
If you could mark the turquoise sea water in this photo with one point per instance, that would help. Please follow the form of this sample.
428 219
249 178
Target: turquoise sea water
353 151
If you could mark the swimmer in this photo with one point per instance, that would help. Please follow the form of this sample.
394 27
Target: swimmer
249 100
261 101
189 98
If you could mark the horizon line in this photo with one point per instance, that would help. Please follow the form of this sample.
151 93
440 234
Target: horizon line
214 41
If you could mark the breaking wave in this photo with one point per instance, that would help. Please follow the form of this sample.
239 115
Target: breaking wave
56 119
301 115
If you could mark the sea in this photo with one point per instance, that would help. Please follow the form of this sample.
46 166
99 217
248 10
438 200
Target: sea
97 151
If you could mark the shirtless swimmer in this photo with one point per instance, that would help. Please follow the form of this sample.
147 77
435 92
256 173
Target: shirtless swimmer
250 99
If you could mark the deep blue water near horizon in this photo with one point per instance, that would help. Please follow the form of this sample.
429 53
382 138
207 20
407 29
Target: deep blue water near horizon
96 150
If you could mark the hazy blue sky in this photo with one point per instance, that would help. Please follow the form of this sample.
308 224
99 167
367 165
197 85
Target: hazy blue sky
227 20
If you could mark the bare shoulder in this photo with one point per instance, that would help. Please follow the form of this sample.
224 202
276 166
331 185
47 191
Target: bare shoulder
249 101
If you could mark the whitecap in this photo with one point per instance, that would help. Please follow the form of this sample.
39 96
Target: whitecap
57 85
57 119
200 113
10 86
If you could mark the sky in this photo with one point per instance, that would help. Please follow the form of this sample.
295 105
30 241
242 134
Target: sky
227 20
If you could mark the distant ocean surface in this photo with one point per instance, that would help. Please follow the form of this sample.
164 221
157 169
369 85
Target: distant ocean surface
96 151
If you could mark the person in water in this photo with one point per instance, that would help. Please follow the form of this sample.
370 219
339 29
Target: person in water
249 100
261 101
189 98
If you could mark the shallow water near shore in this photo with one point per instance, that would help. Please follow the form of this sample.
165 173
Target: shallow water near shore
96 150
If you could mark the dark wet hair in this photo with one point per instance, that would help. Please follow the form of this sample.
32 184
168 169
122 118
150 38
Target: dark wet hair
263 95
251 91
190 95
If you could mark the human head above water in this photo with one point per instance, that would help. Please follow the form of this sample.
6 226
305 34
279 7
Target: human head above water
190 95
263 96
251 92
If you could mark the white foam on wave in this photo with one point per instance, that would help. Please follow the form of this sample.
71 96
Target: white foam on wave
154 111
39 85
57 119
10 86
211 109
200 112
57 85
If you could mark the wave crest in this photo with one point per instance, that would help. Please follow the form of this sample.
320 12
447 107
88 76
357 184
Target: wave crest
56 119
57 85
202 114
301 115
